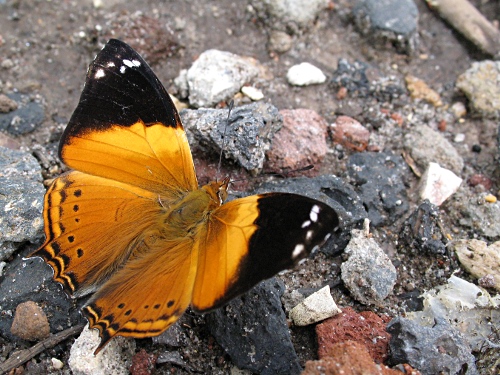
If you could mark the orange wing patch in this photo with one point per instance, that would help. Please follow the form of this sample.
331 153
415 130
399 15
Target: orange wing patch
155 157
148 294
81 217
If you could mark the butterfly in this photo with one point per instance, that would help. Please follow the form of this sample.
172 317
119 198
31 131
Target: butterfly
131 225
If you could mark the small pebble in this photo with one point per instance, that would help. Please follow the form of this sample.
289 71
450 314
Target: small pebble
438 184
305 74
459 138
57 364
487 281
476 148
252 92
490 198
315 308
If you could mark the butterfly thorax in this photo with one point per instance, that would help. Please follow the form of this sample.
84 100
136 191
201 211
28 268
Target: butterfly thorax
182 218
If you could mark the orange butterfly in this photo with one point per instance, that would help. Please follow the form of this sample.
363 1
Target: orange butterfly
131 224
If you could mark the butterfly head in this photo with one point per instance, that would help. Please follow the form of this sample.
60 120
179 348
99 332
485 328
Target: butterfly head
217 190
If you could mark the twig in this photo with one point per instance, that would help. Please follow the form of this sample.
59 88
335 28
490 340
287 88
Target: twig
25 355
467 20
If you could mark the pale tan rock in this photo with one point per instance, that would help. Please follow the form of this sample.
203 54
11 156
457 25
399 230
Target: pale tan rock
479 259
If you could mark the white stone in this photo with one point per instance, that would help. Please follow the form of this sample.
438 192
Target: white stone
305 74
114 358
253 93
315 308
218 75
438 184
57 364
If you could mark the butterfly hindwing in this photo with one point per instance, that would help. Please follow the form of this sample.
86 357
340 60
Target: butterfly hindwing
251 239
126 127
91 226
148 294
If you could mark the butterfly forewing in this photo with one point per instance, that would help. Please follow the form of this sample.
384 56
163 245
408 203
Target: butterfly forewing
126 127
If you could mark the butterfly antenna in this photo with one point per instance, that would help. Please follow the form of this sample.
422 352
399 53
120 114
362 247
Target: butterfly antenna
230 108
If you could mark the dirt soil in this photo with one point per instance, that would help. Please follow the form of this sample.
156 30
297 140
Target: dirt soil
49 44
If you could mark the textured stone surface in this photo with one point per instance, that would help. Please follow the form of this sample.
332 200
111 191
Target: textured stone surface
350 133
30 322
432 350
266 346
368 272
347 358
114 358
379 180
315 308
366 328
300 142
481 84
426 145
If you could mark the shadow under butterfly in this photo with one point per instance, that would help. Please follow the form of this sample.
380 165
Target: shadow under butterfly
130 224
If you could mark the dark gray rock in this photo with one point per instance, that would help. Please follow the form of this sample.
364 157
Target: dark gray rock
333 191
26 118
21 200
364 81
388 20
253 330
440 349
244 137
421 231
379 181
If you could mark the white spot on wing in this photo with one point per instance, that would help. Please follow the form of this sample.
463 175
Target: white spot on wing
131 64
313 215
122 69
110 64
299 249
306 223
309 235
99 74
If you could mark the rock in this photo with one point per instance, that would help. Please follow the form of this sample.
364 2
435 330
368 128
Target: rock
30 322
299 143
379 180
217 75
173 337
458 110
347 358
368 272
350 133
7 104
143 363
421 230
333 191
26 118
252 92
388 20
292 15
114 358
279 42
432 350
352 77
466 307
57 364
479 259
21 200
366 328
481 84
419 90
244 137
315 308
426 145
473 211
265 347
480 179
438 184
305 74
